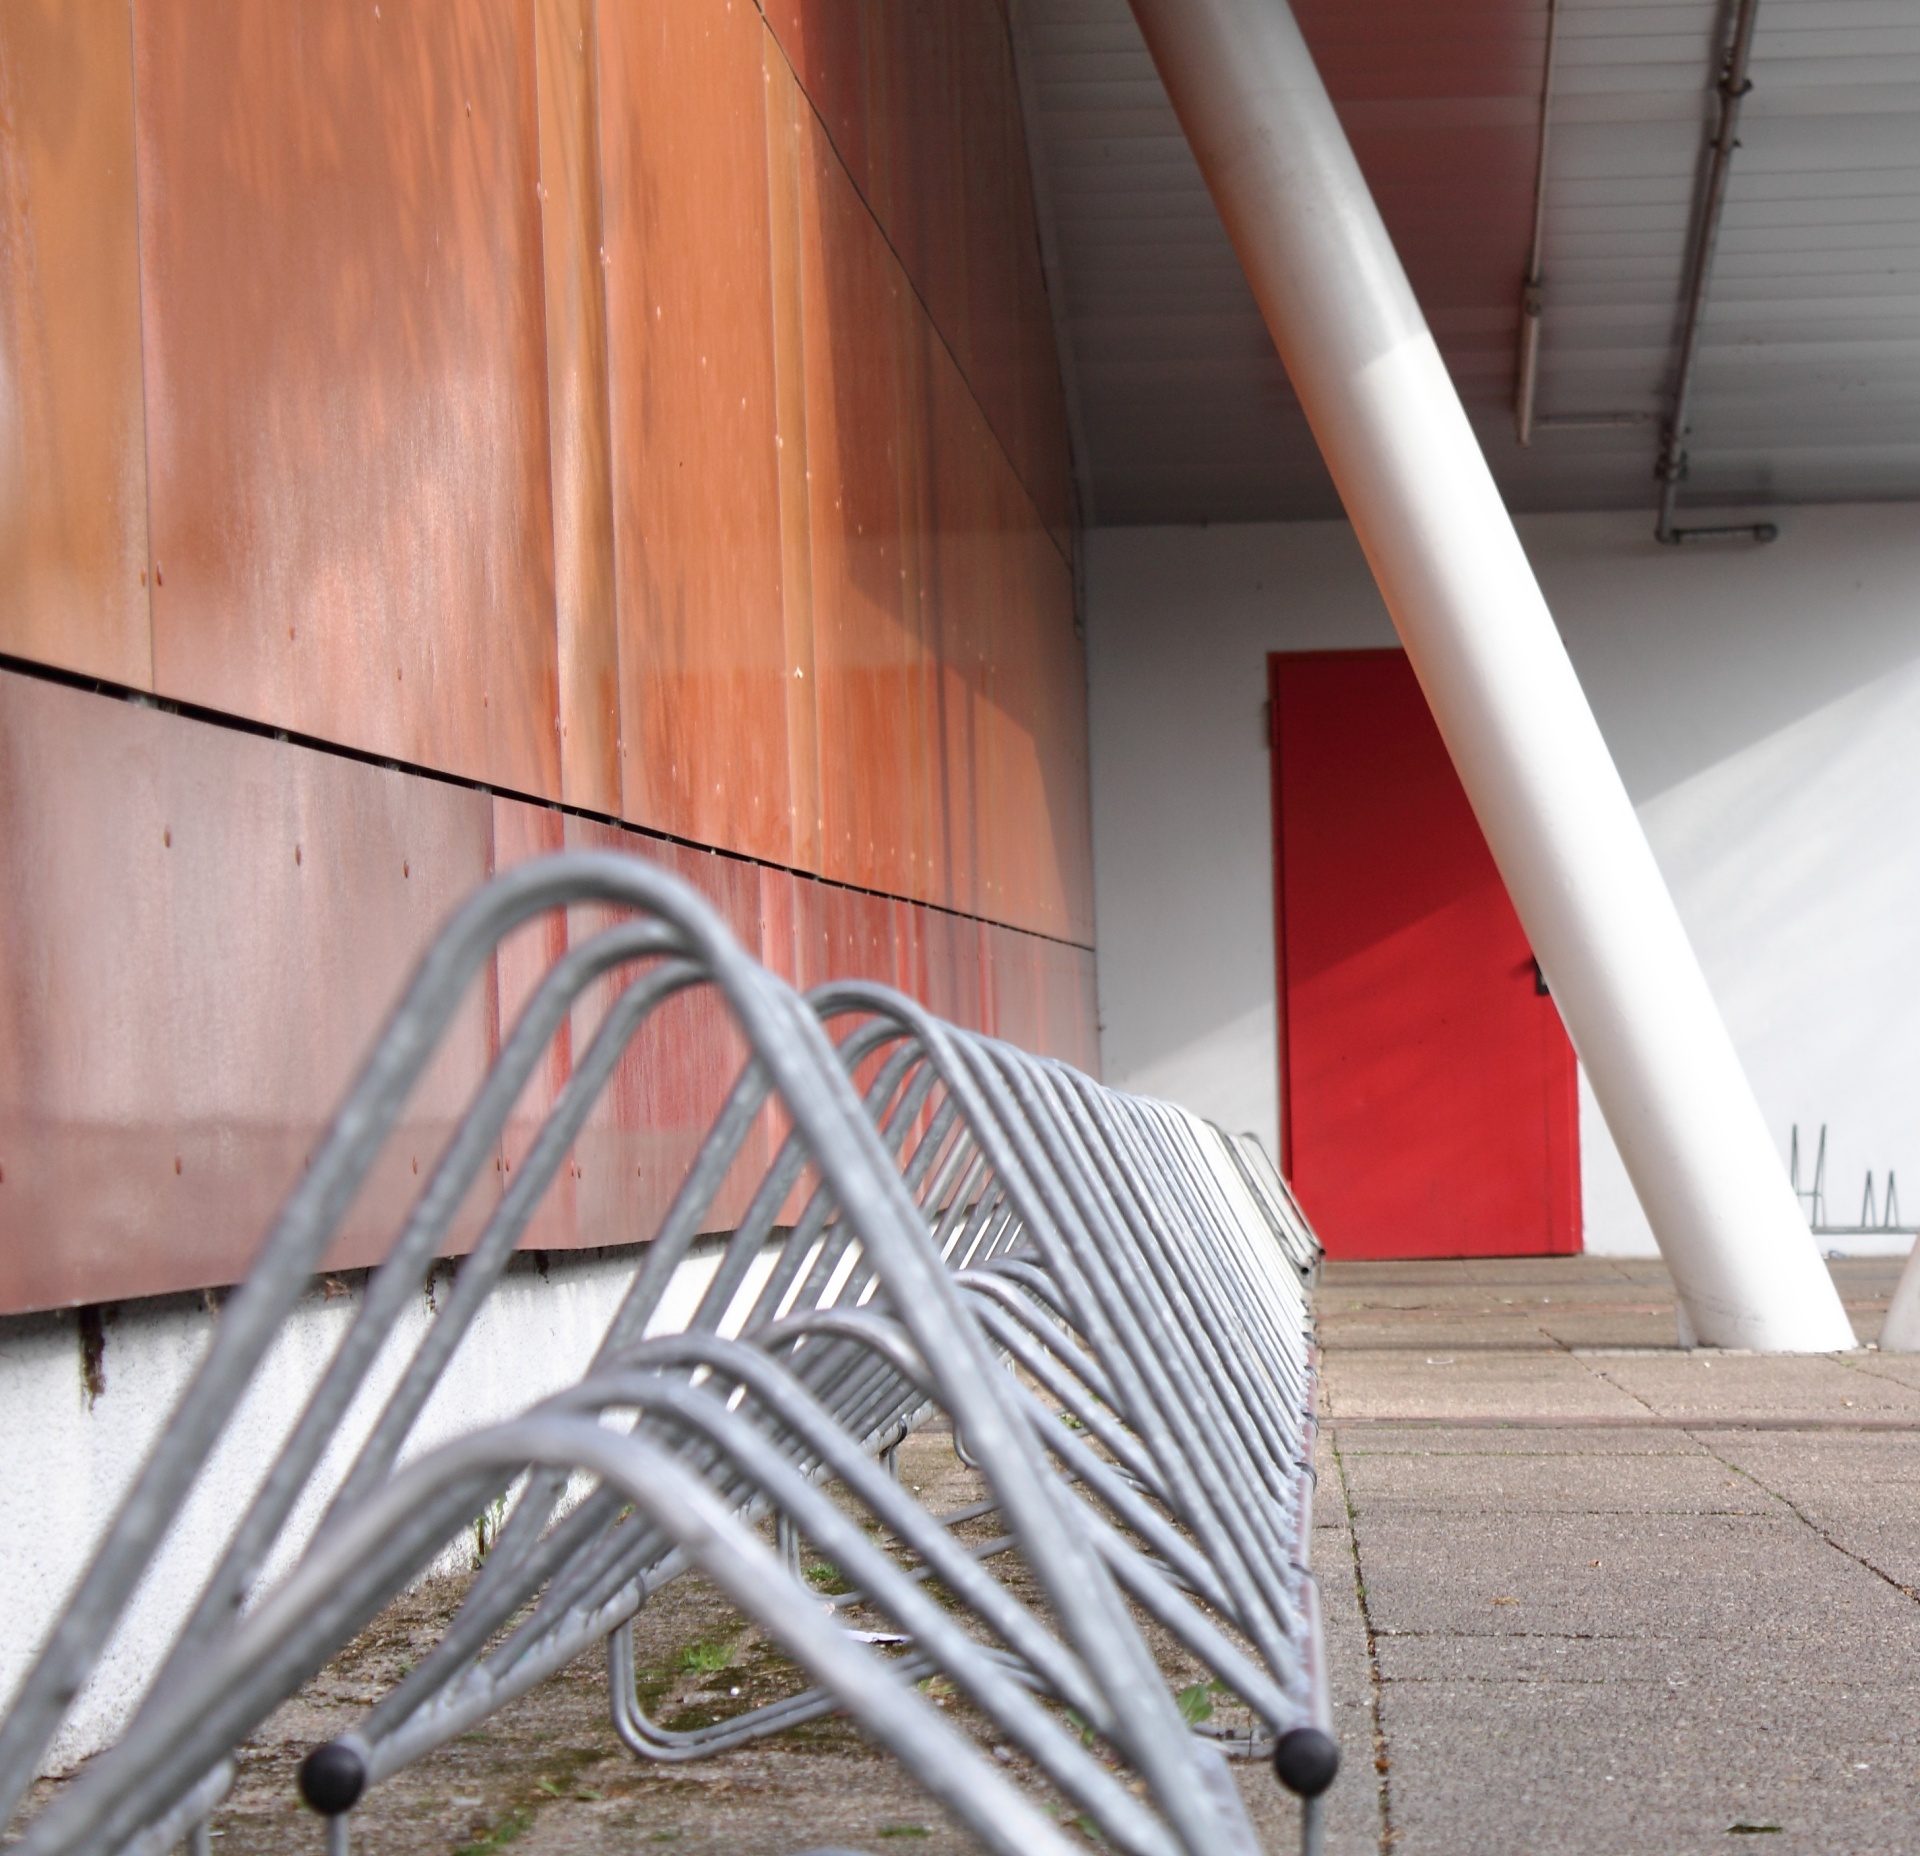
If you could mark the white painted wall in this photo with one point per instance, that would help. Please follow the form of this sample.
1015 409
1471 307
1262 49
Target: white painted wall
66 1458
1763 705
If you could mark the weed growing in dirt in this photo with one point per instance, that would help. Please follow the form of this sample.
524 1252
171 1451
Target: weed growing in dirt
707 1657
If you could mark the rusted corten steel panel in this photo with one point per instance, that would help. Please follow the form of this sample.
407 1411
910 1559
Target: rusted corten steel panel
1013 708
950 954
346 375
866 435
827 44
568 57
696 478
1008 984
200 930
73 492
919 187
922 105
856 938
644 1132
963 582
790 129
1041 995
521 962
1039 860
951 722
1069 1025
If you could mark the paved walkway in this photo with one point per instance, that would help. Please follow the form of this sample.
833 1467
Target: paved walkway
1589 1593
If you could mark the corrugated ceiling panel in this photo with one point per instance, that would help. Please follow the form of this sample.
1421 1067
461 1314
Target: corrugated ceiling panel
1807 385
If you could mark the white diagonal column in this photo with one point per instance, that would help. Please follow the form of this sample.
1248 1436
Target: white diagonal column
1502 689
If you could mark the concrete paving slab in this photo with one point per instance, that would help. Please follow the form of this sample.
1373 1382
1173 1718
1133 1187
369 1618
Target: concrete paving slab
1622 1324
1708 1576
1580 1770
1435 1330
1442 1383
1705 1384
1694 1482
1902 1369
1838 1662
1381 1277
1860 1491
1508 1436
1822 1468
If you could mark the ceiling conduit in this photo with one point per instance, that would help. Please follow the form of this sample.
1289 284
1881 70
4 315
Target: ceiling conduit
1503 691
1533 291
1731 90
1527 418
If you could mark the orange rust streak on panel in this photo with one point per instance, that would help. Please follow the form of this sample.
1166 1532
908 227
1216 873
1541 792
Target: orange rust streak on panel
346 375
1013 697
589 668
964 582
200 932
675 1076
1050 686
520 963
696 482
992 218
1041 451
830 45
950 960
1042 996
952 187
918 190
786 109
866 421
73 482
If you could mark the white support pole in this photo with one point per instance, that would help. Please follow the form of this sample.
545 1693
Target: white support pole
1480 638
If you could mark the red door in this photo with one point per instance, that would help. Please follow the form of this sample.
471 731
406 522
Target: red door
1427 1087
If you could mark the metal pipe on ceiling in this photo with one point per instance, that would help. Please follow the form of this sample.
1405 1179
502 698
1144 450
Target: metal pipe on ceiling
1533 289
1731 89
1503 690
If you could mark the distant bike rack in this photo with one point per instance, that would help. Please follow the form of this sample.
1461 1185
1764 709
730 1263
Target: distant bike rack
1106 1298
1879 1215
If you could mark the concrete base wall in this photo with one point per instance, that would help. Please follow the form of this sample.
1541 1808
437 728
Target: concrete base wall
1763 705
82 1411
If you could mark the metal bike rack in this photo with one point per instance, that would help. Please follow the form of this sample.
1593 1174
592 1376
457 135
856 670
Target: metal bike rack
1107 1299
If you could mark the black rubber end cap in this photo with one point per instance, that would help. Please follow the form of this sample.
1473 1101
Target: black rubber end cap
1307 1761
332 1777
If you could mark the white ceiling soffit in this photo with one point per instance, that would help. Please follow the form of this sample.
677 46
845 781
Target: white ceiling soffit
1808 382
